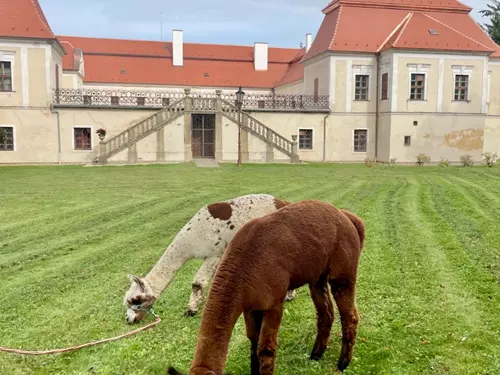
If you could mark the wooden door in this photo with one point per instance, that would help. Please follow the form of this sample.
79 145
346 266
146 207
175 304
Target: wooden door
203 136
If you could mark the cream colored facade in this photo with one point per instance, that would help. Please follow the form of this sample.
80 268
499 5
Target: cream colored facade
437 124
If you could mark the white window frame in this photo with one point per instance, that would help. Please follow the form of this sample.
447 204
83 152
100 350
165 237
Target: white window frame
418 69
9 56
367 140
91 137
384 69
362 70
463 70
13 135
312 140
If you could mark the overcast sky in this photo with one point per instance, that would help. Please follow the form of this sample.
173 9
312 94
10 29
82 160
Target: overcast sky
281 23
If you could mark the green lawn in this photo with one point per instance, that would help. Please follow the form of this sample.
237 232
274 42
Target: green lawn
429 277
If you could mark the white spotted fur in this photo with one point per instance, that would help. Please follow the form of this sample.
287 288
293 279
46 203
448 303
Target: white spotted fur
201 241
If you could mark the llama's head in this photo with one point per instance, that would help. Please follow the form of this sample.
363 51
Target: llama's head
138 299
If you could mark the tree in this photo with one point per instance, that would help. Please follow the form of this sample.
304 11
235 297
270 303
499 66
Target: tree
493 13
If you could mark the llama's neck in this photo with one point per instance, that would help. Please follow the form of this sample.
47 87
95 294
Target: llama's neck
177 253
223 308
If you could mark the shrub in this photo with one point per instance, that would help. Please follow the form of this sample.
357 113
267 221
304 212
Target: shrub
423 158
370 162
490 159
2 135
444 163
467 160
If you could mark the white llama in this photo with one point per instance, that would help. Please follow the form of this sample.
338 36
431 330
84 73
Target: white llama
205 236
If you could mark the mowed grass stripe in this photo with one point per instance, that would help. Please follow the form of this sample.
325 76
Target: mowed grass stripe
476 226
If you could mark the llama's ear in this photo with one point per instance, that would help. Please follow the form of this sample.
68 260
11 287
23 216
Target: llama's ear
137 280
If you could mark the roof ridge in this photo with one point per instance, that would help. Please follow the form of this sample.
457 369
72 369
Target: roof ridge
487 35
403 24
41 17
170 42
336 27
456 31
404 28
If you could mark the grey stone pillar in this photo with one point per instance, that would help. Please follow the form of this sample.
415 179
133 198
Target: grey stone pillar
102 153
218 126
160 144
295 157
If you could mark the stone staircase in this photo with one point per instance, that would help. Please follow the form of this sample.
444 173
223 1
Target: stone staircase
188 104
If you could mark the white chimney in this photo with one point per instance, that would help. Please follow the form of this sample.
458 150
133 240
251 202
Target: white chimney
177 46
260 56
309 41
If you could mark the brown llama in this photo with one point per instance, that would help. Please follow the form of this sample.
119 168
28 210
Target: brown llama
309 242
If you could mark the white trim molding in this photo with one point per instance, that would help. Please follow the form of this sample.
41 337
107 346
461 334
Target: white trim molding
440 85
25 76
367 140
348 87
91 137
418 69
13 136
362 70
465 70
393 79
9 56
333 77
485 98
298 139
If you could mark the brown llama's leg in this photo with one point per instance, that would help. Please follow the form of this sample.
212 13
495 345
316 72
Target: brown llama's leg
325 316
253 323
344 294
268 340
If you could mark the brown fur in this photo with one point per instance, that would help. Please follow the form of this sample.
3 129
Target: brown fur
278 203
309 242
221 210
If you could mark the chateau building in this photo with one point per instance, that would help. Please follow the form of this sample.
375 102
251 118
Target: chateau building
417 77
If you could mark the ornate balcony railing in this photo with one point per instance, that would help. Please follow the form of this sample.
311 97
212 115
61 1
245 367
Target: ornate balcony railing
159 99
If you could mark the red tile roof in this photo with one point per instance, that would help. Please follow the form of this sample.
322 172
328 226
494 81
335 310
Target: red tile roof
146 62
415 34
23 18
383 27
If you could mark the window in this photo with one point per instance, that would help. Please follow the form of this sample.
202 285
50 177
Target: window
385 86
82 138
141 101
5 76
115 100
407 140
461 87
165 102
261 103
417 86
361 87
305 139
360 140
6 138
316 89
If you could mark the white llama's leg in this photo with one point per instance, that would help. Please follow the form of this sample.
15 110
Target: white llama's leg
200 282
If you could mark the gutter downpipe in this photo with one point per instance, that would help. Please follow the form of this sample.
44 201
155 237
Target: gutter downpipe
324 134
377 99
59 161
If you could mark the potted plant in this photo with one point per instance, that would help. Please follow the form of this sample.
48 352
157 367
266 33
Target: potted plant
101 133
